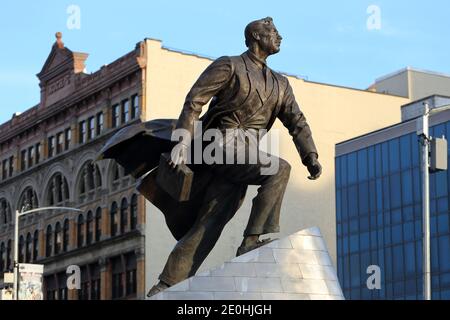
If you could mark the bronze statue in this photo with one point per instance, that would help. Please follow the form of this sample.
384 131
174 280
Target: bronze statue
247 95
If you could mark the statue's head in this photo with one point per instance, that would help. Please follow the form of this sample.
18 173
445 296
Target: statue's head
264 34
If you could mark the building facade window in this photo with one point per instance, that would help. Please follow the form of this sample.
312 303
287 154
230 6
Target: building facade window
51 146
66 235
35 245
28 200
67 138
58 190
115 116
117 278
2 256
31 156
131 271
5 169
135 107
49 242
89 228
98 224
5 212
29 248
100 123
23 160
59 142
58 238
123 215
91 128
9 255
21 249
38 152
94 271
11 166
80 231
82 137
114 219
125 111
133 212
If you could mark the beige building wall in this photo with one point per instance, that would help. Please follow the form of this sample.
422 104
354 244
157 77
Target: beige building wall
414 84
334 113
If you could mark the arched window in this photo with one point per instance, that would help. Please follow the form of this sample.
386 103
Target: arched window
123 216
21 247
2 257
89 179
133 212
48 241
89 228
58 190
8 255
65 235
28 200
28 248
116 174
80 231
98 224
114 219
5 212
58 238
35 245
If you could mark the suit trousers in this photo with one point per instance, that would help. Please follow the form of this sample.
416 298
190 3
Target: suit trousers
221 201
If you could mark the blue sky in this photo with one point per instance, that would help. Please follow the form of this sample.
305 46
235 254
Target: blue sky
324 40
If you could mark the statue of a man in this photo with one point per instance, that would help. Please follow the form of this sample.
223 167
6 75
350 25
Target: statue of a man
246 95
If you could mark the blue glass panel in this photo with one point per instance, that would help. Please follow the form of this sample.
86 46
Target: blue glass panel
433 225
385 157
415 150
379 183
433 186
380 238
363 194
337 169
353 201
386 198
371 159
379 220
365 262
344 175
407 188
441 184
373 240
354 269
399 290
434 254
394 156
397 234
387 236
346 263
443 223
417 187
345 229
408 231
344 204
439 131
388 263
354 226
378 161
387 218
396 199
396 216
354 244
445 295
338 205
364 241
418 229
373 220
445 280
442 205
397 262
410 289
408 213
345 246
410 262
405 154
372 196
444 253
362 165
352 168
364 224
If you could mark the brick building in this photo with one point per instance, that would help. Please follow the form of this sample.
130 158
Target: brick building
46 159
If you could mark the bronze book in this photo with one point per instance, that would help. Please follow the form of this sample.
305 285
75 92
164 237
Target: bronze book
177 182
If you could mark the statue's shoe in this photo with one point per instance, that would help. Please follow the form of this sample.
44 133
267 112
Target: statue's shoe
157 289
244 249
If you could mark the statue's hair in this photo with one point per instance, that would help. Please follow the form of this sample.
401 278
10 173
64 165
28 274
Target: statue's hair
255 26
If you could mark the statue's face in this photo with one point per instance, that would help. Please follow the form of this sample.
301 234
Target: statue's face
269 39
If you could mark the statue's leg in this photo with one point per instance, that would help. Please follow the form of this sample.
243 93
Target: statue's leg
265 213
219 206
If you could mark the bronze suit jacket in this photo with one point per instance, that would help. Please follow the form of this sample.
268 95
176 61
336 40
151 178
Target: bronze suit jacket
237 87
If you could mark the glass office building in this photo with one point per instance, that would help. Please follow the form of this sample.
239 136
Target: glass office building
379 212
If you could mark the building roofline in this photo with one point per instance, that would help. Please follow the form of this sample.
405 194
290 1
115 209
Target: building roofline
396 73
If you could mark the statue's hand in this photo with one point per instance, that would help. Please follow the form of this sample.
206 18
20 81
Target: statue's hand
314 167
178 155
